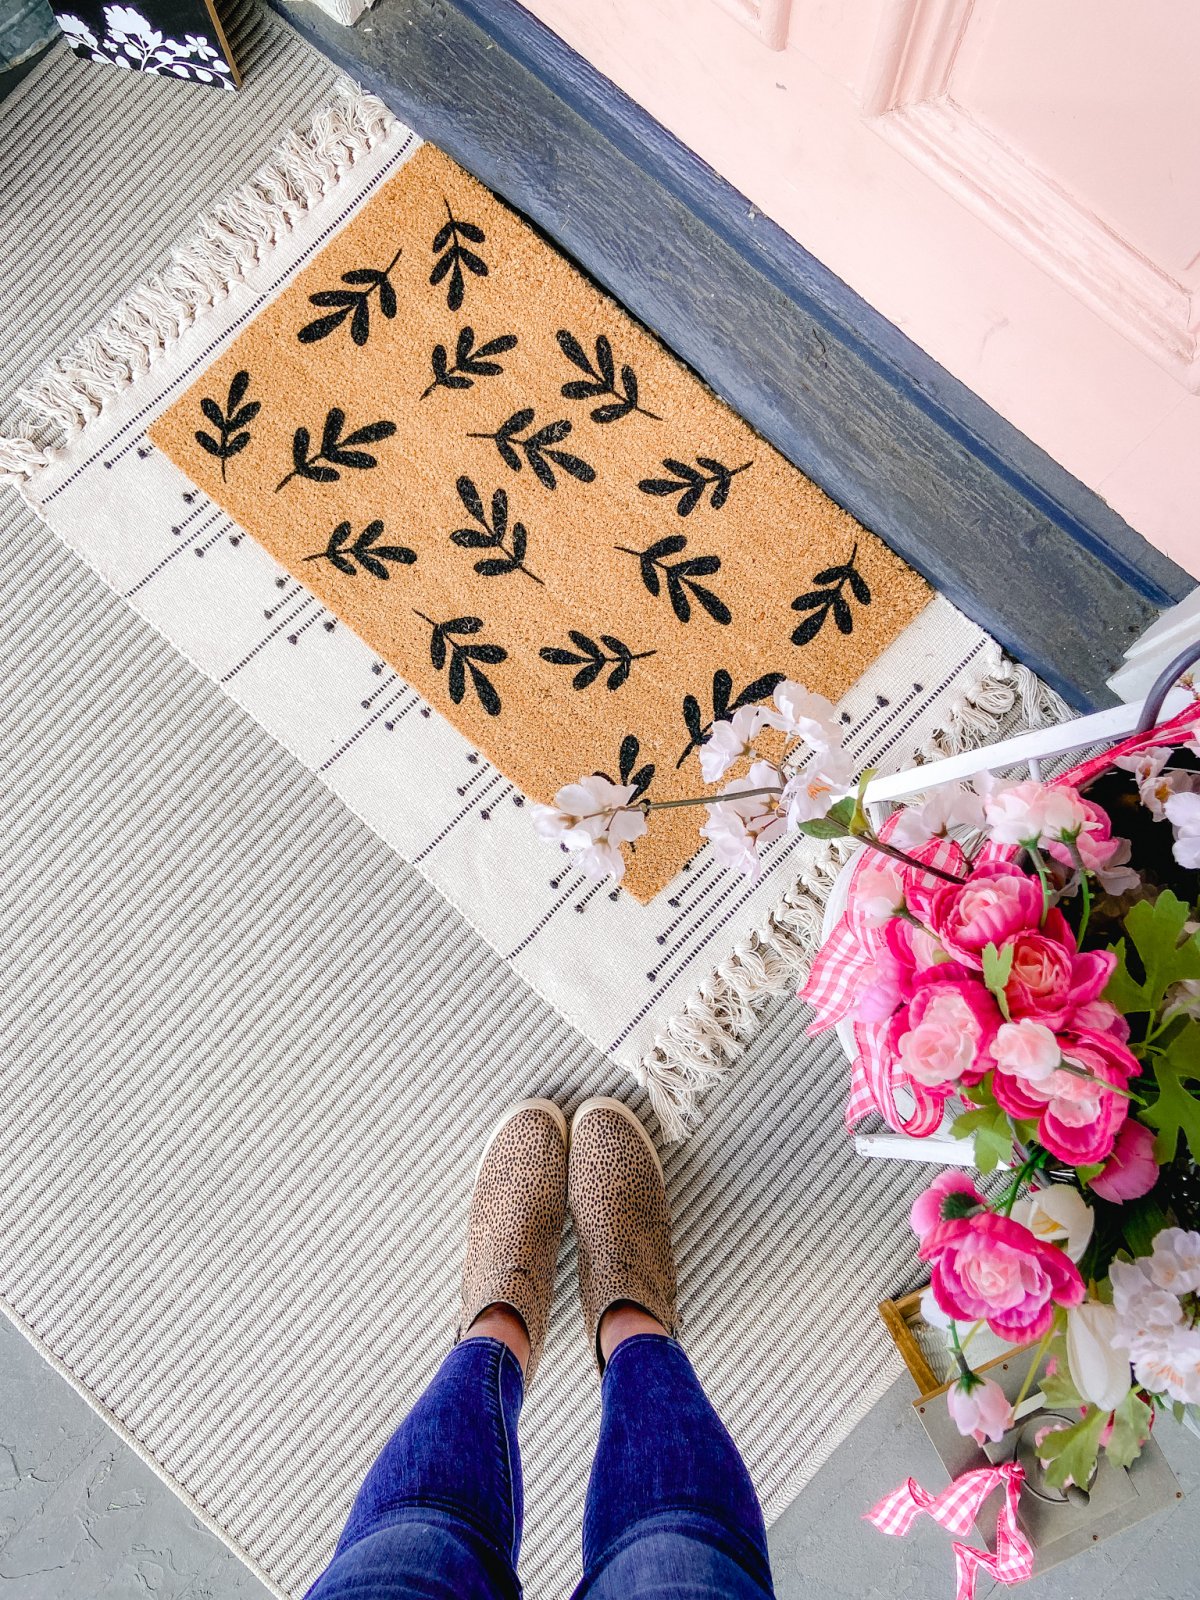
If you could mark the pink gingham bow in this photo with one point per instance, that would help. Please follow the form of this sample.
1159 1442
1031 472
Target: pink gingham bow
832 987
955 1509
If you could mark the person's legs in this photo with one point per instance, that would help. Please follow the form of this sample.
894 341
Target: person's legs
439 1515
671 1513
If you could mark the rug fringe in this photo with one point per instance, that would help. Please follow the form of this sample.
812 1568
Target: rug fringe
697 1047
75 387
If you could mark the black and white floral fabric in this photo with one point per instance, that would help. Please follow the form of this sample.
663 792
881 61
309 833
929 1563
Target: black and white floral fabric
177 40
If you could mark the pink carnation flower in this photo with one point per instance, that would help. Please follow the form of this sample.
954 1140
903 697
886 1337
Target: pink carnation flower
1098 1016
905 952
1078 1119
994 905
1050 978
942 1038
988 1267
1131 1171
926 1210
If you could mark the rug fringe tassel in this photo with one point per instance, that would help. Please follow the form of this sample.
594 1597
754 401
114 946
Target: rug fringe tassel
719 1019
21 456
74 388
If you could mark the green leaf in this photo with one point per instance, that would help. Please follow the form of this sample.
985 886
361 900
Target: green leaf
1091 1170
1122 989
1176 1110
1131 1429
997 969
843 811
1155 929
980 1094
859 823
1071 1452
823 828
992 1132
1057 1387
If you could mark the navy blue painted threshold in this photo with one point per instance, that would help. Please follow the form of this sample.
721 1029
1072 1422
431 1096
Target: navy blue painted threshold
995 524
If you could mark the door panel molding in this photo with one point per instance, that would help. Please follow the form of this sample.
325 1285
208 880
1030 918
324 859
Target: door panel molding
911 98
768 19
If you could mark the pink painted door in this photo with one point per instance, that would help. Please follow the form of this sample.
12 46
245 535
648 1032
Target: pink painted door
1014 183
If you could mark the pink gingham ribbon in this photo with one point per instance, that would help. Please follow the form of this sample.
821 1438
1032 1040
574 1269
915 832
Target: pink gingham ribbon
956 1509
833 984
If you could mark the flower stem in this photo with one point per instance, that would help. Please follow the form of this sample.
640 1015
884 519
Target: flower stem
1024 1172
886 849
700 799
1085 891
964 1366
965 1370
1034 1365
1073 1071
1035 855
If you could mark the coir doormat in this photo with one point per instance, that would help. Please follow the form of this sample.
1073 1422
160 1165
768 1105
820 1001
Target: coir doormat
528 507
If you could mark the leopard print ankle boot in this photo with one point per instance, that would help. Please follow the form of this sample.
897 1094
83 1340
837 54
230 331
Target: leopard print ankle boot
516 1222
619 1206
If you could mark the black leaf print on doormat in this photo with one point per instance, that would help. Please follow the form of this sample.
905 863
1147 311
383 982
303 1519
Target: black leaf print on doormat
681 577
492 536
469 363
353 302
335 451
601 380
371 557
538 448
689 483
723 705
464 660
642 778
828 599
592 658
231 424
453 256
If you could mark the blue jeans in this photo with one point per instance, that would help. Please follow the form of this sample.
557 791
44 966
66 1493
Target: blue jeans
671 1513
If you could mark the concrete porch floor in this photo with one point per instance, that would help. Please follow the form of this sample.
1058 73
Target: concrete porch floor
83 1518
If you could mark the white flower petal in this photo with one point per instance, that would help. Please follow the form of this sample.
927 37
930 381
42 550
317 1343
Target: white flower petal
1099 1368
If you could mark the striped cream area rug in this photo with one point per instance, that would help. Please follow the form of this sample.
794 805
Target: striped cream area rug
670 990
248 1052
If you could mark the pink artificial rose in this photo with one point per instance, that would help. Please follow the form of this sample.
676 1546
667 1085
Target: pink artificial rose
877 894
994 905
889 982
1098 1016
1026 1049
1077 1118
884 990
926 1210
989 1267
1016 814
1094 841
1050 978
942 1037
979 1409
1131 1171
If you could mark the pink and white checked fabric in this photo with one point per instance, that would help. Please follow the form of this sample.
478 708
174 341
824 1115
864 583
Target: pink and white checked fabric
956 1509
833 984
